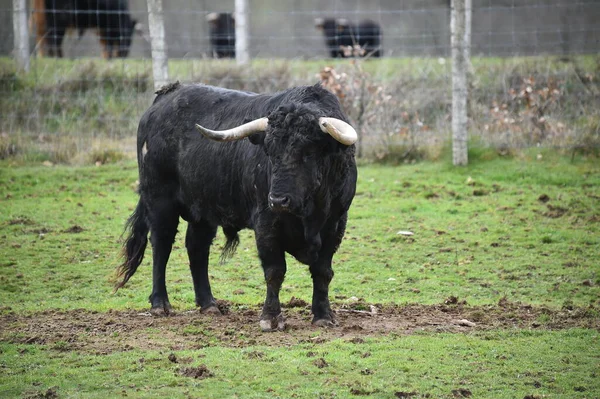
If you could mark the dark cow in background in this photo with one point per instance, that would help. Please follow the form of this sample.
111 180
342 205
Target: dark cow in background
345 39
111 18
221 28
292 181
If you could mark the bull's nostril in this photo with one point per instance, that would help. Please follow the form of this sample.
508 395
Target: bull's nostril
279 202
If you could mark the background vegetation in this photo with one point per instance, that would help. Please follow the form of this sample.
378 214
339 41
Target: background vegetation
68 111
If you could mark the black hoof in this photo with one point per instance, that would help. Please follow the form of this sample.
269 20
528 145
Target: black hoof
272 323
162 311
212 309
160 307
325 322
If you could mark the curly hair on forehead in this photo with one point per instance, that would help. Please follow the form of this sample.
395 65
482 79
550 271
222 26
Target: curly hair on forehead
300 118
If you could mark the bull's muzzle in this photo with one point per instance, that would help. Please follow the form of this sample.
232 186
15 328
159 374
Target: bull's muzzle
279 203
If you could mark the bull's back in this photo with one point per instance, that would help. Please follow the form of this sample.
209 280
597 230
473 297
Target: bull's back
206 178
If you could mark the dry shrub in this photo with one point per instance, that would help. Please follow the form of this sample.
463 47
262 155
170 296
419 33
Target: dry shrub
524 107
389 129
525 116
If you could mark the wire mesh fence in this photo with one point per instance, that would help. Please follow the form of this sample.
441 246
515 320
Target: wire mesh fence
534 74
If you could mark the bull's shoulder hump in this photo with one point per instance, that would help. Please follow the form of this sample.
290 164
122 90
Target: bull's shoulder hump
168 88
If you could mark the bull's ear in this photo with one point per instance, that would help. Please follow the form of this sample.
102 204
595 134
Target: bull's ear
257 138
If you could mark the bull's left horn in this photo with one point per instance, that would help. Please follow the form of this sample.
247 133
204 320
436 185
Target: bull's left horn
339 130
237 133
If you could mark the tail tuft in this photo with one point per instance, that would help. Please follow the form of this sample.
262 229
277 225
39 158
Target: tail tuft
233 239
135 245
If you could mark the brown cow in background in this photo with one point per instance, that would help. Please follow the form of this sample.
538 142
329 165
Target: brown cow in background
110 18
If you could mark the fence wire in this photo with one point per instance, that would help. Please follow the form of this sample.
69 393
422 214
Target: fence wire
534 75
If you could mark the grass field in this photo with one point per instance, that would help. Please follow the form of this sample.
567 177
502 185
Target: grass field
496 295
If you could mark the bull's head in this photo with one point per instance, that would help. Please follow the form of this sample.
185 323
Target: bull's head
297 148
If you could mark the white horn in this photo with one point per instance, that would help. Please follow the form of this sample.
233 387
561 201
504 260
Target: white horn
339 130
237 133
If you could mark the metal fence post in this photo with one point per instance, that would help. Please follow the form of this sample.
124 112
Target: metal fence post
241 32
459 83
160 65
21 49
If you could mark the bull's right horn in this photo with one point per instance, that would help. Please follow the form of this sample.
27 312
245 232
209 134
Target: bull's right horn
236 133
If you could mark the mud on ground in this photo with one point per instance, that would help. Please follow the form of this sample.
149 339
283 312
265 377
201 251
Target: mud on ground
101 333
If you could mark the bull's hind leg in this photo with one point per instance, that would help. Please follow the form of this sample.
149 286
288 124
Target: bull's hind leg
198 239
163 228
274 267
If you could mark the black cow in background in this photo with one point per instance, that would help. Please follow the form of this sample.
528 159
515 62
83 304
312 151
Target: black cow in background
345 39
292 181
111 18
221 28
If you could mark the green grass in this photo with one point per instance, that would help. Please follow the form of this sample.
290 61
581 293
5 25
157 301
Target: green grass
480 233
509 364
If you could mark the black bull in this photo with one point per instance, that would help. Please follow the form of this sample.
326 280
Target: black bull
345 39
51 19
221 28
290 181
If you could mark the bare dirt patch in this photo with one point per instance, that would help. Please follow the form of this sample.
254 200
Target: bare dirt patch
49 394
101 333
200 372
75 229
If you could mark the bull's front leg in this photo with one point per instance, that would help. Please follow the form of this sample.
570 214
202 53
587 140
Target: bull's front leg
321 271
322 274
274 267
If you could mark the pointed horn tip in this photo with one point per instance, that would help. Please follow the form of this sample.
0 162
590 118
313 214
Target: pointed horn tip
200 129
209 133
237 133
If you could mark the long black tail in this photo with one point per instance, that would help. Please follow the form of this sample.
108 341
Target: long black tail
135 246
